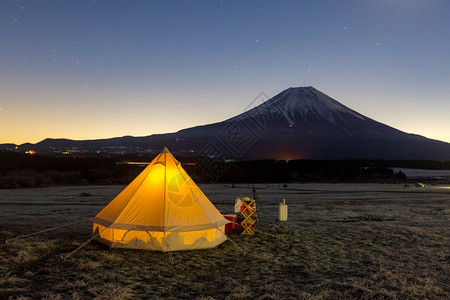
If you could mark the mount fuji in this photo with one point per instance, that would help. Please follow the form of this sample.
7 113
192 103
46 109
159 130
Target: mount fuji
304 123
298 123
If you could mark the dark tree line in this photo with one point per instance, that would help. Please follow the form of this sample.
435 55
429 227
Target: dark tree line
275 171
23 170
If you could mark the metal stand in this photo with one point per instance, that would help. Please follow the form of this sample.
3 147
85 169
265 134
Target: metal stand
282 225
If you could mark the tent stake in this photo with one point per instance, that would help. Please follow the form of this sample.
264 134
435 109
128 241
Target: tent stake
169 253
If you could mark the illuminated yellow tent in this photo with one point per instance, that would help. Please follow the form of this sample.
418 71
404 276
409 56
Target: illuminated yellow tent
161 209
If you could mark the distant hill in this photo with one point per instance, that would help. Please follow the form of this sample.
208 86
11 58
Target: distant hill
298 123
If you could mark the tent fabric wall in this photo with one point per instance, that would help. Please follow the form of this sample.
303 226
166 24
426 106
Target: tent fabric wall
159 240
161 209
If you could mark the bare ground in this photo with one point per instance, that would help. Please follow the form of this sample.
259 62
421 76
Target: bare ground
343 241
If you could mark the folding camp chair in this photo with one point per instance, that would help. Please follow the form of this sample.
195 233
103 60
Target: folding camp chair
249 213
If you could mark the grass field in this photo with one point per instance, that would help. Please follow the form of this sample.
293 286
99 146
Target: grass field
343 241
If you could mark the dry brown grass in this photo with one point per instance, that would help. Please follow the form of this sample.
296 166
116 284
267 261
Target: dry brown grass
52 296
111 291
88 265
341 243
66 285
25 251
25 256
23 298
12 280
240 293
111 257
6 234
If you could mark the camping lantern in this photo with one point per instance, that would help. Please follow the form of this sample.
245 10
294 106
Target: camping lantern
283 211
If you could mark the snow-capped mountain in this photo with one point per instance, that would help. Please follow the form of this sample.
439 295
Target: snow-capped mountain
306 110
298 104
305 123
298 123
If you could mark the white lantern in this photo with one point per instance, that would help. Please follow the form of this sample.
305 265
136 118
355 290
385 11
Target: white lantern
283 211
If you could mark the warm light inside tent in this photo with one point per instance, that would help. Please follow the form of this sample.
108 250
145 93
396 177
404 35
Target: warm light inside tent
158 240
157 174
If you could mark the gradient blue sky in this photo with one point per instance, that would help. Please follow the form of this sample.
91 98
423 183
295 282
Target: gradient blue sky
99 69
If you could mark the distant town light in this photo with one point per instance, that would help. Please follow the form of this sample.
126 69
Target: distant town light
31 152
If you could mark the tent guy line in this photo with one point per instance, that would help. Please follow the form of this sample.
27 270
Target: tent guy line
46 230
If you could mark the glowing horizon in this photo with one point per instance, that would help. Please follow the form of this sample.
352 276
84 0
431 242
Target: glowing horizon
93 70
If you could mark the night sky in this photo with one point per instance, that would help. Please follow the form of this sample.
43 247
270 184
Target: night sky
100 69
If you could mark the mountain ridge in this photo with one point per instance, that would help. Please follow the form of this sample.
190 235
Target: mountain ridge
298 123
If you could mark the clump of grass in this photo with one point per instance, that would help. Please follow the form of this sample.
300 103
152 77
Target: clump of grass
42 246
240 293
24 256
88 265
12 280
304 296
111 257
27 250
268 297
74 296
66 285
111 291
28 274
266 257
51 296
23 298
3 258
5 233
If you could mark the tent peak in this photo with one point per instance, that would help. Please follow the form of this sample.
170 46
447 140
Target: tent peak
165 150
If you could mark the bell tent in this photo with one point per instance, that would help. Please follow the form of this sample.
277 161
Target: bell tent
161 209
